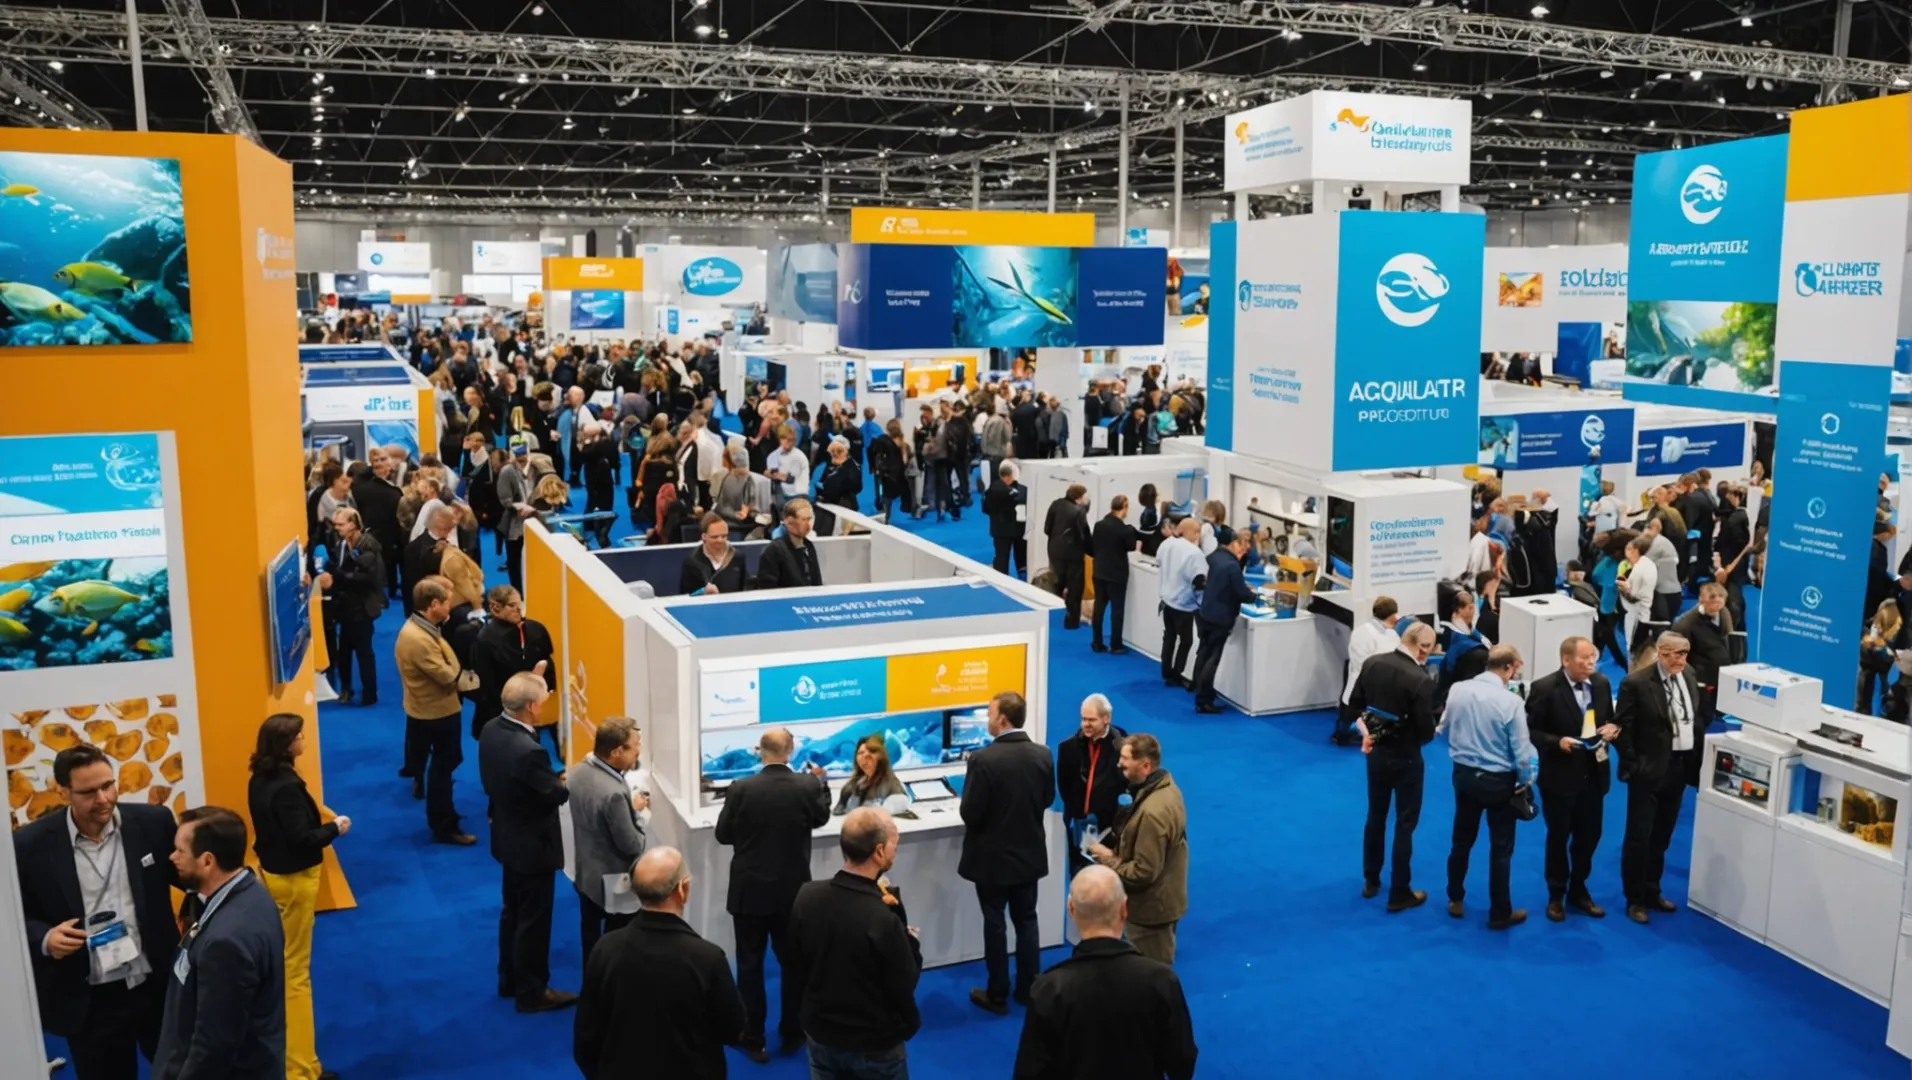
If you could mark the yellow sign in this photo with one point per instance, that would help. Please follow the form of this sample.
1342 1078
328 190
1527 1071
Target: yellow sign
1849 151
572 273
876 225
922 378
954 680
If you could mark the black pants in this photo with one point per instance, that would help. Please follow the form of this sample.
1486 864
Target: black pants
1008 550
514 562
329 626
1477 792
594 922
120 1025
355 642
1073 582
1396 775
1178 633
394 554
524 936
1666 606
1208 658
959 474
1736 599
1021 902
1112 597
1653 808
1606 638
1344 718
753 932
1573 835
433 748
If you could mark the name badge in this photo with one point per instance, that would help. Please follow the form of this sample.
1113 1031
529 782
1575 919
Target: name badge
1586 725
1022 513
111 947
146 860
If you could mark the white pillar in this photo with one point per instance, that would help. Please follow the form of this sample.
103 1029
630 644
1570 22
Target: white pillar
1122 172
1052 179
1175 227
823 194
976 184
139 68
1241 206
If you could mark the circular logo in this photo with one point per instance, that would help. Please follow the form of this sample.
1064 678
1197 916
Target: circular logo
1829 424
1593 431
377 259
805 691
712 276
1703 195
1815 508
1409 289
1244 294
1811 597
1805 280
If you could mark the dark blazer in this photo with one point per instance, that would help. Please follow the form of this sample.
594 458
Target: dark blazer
1067 527
1226 591
236 981
421 560
377 503
657 1000
1646 724
1553 714
857 963
1107 1013
1734 535
1023 437
999 505
1073 774
768 819
501 652
358 576
785 567
1110 543
698 572
1712 642
286 832
50 895
525 795
1396 685
1010 783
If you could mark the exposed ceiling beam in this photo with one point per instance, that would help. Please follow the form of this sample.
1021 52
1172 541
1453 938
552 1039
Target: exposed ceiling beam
200 44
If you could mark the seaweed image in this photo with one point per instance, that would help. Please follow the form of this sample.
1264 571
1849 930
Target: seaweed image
75 612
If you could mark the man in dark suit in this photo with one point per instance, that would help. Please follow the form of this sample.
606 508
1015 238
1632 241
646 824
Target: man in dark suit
768 819
225 988
1110 544
1024 438
527 841
1011 782
353 584
66 860
1067 527
1222 597
1394 702
425 555
658 999
1006 505
1570 719
1658 738
376 495
790 561
507 644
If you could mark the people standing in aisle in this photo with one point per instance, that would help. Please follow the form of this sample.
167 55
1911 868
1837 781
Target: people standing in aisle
1708 630
1008 787
657 1000
767 820
1655 715
1025 422
606 833
1394 703
839 482
790 561
425 553
856 960
1668 588
225 989
289 840
1222 597
375 494
514 506
1067 527
1006 505
1110 542
1570 718
1732 553
1493 757
959 439
507 644
429 676
526 840
1151 853
1376 637
1183 569
889 457
1106 1010
1695 506
97 868
996 440
1089 776
333 490
1054 441
1639 590
353 582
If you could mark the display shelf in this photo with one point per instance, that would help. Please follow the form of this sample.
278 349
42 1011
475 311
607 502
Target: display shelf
1303 519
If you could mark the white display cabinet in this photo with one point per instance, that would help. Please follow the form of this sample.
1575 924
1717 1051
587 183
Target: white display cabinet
1761 695
1536 625
1735 817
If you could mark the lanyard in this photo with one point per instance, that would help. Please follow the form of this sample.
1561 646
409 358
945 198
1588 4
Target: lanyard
106 877
212 905
1088 795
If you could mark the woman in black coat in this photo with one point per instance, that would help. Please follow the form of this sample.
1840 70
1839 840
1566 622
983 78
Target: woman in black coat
889 468
838 485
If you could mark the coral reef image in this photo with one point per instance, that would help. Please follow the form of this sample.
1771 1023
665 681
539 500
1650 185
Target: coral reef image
92 251
1015 297
915 740
75 612
141 736
1710 345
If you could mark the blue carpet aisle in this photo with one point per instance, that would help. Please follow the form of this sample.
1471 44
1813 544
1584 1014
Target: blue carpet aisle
1288 971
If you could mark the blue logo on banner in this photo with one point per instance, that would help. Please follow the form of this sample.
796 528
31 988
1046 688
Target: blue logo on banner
377 259
1838 279
1409 289
1706 222
1220 434
825 691
1703 195
712 276
1672 451
1555 440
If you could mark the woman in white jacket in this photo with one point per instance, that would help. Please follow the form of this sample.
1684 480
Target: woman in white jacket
1636 592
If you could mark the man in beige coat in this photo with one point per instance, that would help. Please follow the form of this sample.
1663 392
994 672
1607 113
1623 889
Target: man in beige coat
428 671
1151 856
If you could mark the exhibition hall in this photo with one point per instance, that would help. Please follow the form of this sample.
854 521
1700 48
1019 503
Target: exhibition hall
867 539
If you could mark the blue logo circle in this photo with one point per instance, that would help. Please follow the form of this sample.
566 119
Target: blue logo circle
712 276
1805 279
377 259
1245 295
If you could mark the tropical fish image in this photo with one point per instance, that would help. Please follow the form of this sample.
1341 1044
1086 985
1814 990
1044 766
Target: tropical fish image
32 302
1014 297
1042 305
92 598
77 612
22 191
11 603
97 279
13 631
25 571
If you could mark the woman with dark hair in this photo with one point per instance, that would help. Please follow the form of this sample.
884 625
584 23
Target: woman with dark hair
1148 519
871 778
290 841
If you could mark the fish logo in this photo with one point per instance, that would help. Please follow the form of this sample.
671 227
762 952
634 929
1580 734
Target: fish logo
1810 598
1409 289
1703 195
1593 431
1241 133
805 691
1350 118
1046 307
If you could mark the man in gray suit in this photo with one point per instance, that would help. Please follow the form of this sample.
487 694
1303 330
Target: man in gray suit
514 499
225 987
606 835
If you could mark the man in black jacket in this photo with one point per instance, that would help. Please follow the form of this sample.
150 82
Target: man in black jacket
657 1000
1009 786
1089 776
1656 717
959 439
376 498
1110 543
855 959
1107 1010
353 584
1732 551
1067 527
1570 720
1222 597
1024 420
1394 699
768 819
507 644
790 562
64 859
1708 630
527 842
1695 505
1006 504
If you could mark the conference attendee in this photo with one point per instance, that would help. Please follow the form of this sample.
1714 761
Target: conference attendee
1089 775
331 489
1666 555
353 584
1006 505
606 833
767 820
1151 856
375 494
1696 507
1570 718
1493 756
1656 717
526 840
1222 597
995 434
1732 550
872 782
855 960
507 644
789 466
1182 568
225 988
790 561
958 440
658 1000
839 483
889 456
1106 1010
1708 629
1067 527
1110 543
425 552
1009 785
713 566
429 675
1373 638
1639 588
97 867
1393 702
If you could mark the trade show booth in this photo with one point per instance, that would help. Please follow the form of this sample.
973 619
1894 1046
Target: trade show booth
347 409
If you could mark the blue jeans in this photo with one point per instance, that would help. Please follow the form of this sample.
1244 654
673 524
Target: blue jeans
829 1063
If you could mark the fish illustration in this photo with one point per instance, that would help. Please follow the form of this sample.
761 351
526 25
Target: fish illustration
12 630
93 599
26 571
148 646
22 191
91 628
1349 116
1042 305
33 302
95 278
12 602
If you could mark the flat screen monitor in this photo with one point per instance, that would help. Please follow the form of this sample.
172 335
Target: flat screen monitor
914 741
1341 537
965 731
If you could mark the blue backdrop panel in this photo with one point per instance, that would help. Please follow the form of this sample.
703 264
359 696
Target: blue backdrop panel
1706 222
1222 239
894 296
1120 293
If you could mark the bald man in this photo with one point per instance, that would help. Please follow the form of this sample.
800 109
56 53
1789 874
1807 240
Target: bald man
525 794
658 1000
1107 1010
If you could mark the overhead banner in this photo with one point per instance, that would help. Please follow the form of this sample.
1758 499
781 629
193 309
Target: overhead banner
694 276
1517 442
567 272
394 258
880 225
1219 422
1339 135
803 283
702 619
506 256
1527 292
1673 451
597 309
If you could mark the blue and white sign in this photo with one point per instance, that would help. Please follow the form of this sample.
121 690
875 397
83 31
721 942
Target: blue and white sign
712 277
394 258
287 605
1555 440
895 296
1220 433
778 614
346 354
1676 450
803 283
698 276
1120 294
1706 222
832 690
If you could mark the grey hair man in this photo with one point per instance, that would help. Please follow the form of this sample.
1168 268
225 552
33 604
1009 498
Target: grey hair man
1658 717
1089 776
606 831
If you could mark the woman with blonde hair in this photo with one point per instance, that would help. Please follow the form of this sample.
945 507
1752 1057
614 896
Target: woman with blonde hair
1214 515
1878 655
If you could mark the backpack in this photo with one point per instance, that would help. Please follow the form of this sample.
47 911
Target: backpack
1456 646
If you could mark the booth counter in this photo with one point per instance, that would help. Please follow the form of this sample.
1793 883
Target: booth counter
1180 481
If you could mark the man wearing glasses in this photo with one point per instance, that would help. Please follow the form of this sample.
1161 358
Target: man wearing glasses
508 644
1657 715
713 566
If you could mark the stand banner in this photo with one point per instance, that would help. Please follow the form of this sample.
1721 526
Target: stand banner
1556 440
902 225
1672 451
624 275
1223 237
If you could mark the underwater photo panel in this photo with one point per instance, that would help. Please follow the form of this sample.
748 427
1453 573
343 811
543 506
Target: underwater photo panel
1015 297
92 251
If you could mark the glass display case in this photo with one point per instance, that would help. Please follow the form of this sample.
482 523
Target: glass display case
1741 775
1841 801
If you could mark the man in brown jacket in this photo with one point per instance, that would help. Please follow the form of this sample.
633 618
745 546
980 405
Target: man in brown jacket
1152 853
428 671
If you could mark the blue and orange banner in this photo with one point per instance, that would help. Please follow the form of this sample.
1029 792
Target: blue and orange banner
870 686
904 225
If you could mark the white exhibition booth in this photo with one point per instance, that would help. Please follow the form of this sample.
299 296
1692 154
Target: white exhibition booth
348 408
1528 292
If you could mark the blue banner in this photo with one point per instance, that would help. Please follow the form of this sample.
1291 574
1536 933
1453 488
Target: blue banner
345 354
1706 222
831 690
803 283
1220 418
1555 440
1832 420
778 613
358 375
1675 450
597 309
1407 340
79 474
287 605
895 296
1119 295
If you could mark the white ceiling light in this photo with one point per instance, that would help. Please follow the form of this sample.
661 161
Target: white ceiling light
1540 11
537 9
1537 114
318 78
1696 73
523 78
1746 20
56 65
1420 67
702 30
431 73
1606 73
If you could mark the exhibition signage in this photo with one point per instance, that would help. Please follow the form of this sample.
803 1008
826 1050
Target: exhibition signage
903 225
704 619
565 272
342 354
394 258
1338 135
708 276
1556 440
1677 450
1416 537
803 283
1223 236
835 689
288 606
506 256
597 309
1527 292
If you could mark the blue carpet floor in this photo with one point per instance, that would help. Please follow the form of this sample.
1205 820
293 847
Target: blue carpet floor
1288 971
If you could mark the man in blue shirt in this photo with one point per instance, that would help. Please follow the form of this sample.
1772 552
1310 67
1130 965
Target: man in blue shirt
1486 727
1222 597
